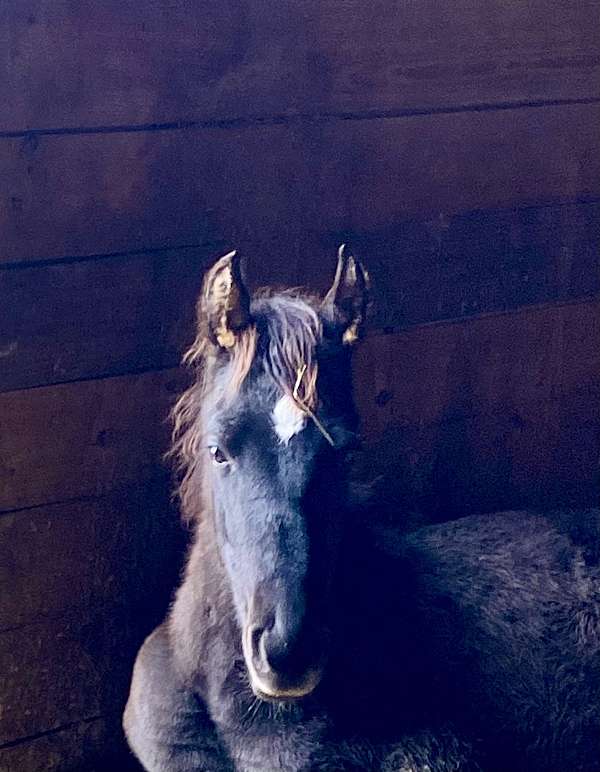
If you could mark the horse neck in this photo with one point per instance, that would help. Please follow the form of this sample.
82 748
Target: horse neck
202 621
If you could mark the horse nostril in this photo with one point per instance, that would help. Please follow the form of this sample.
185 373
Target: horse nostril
256 634
256 640
277 649
278 654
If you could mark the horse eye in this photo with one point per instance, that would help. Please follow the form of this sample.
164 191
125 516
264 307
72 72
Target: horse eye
217 455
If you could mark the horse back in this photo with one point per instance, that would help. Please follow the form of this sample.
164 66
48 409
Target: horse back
510 605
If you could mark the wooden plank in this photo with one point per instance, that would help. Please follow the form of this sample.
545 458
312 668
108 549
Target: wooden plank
64 671
97 194
82 439
122 550
122 63
577 454
97 318
109 317
478 262
385 171
501 410
78 615
273 190
85 746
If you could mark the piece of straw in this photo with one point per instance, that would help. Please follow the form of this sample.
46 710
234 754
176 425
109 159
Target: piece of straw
304 407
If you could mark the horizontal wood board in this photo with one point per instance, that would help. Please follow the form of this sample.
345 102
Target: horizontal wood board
130 63
78 615
120 550
85 746
66 670
96 318
494 412
274 190
471 263
109 317
454 145
82 439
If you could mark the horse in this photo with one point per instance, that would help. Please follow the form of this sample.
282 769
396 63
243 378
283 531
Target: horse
302 637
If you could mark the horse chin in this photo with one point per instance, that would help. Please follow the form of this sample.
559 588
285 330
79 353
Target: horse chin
273 692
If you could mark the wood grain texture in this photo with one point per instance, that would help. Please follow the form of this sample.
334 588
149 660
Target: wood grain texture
85 746
121 550
82 439
131 63
109 317
499 411
97 318
137 140
97 194
385 171
274 190
64 671
477 262
88 581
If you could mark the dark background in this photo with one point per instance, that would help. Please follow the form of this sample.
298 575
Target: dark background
455 144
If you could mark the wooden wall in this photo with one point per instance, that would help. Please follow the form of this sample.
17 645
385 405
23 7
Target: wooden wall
455 144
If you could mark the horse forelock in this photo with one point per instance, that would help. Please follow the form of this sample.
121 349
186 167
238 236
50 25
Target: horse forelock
282 340
290 330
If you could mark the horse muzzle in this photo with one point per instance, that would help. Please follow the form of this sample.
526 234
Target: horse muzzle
279 668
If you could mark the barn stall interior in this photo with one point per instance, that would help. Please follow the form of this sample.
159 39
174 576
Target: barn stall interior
455 145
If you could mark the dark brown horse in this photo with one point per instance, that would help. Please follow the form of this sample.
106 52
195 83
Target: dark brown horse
300 641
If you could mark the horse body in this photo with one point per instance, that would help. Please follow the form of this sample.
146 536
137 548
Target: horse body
303 639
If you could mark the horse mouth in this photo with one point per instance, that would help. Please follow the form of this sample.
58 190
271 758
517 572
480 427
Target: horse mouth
275 684
271 692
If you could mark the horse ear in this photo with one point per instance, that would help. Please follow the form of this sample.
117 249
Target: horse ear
347 300
224 303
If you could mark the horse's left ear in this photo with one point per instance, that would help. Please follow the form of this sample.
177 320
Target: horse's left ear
224 303
347 301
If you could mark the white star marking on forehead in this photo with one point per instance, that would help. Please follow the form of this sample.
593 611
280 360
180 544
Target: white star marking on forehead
288 419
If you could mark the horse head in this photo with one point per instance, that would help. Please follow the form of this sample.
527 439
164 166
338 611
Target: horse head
266 429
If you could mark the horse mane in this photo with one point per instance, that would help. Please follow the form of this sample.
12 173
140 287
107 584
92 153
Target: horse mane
281 341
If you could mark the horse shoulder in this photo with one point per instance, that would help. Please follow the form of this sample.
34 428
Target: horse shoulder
166 723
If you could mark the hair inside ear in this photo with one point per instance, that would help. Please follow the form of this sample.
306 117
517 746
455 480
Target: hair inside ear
224 304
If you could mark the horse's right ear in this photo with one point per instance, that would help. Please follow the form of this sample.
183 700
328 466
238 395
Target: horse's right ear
224 303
